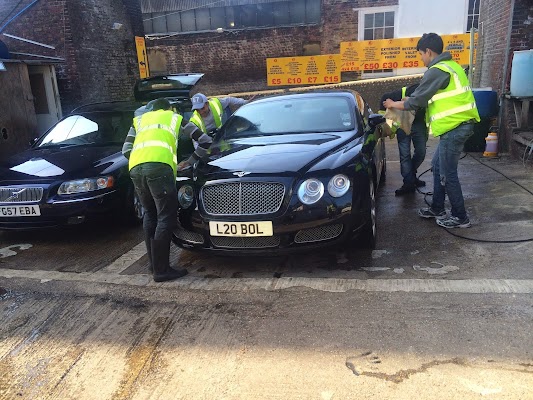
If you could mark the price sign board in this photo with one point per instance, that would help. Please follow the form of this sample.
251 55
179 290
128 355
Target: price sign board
306 70
398 53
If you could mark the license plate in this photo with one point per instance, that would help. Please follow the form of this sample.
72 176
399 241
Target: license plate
20 211
240 229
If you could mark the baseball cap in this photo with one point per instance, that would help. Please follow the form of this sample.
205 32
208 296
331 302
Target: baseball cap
198 101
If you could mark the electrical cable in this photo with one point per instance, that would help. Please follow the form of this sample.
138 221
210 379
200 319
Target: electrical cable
474 239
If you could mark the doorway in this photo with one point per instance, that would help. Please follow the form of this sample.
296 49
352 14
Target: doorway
45 96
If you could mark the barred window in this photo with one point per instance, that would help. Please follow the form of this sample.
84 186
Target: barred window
272 14
473 15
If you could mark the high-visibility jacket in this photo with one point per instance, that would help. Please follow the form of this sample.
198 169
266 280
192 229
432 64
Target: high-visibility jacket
216 108
450 107
156 138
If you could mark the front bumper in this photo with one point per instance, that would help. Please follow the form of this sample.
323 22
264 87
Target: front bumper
59 212
298 229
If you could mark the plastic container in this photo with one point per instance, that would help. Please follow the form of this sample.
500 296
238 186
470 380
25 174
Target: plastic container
491 149
486 102
521 74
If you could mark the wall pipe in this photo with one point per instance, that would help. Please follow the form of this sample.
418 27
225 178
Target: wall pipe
505 69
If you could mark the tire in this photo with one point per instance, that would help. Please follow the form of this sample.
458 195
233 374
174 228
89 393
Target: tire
368 235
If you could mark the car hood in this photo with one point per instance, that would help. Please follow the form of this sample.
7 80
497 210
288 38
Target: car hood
287 155
52 164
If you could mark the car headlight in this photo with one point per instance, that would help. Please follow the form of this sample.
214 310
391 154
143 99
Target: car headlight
186 196
85 185
338 185
311 191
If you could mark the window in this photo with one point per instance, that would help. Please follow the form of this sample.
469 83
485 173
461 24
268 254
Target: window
268 14
473 15
374 24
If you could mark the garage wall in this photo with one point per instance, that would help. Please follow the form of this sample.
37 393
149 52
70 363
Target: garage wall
234 61
100 63
18 124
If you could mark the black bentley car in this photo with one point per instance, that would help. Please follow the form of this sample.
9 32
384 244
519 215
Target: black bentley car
76 169
286 173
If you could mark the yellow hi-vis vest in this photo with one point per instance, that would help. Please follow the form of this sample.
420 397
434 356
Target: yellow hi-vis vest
156 138
450 107
216 108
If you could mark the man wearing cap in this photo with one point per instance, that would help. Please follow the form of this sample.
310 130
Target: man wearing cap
208 115
151 147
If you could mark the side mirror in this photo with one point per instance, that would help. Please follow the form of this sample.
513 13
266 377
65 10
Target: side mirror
375 120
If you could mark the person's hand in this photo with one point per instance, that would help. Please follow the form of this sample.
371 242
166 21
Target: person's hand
388 103
183 165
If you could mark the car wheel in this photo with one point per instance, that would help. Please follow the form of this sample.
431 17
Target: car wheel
368 235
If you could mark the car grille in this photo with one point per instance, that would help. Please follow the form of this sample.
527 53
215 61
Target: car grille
188 236
243 198
245 242
20 195
318 234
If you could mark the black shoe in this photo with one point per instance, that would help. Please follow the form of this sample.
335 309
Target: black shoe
405 189
170 274
419 183
162 272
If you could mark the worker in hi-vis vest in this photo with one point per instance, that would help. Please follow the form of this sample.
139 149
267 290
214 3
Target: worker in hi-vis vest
451 113
152 147
417 136
210 114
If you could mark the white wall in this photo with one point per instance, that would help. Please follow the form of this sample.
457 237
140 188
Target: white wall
416 17
444 17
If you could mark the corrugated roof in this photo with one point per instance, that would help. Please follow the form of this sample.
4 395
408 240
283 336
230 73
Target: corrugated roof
151 6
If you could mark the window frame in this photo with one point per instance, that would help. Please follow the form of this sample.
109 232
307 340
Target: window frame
361 33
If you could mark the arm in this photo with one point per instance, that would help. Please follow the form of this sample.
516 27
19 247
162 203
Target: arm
234 102
128 143
433 80
204 142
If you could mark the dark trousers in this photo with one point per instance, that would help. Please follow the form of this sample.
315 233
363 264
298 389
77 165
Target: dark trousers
155 185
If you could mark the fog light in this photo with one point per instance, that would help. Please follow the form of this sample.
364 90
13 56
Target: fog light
78 219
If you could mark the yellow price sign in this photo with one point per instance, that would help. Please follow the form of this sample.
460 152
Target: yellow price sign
398 53
305 70
142 57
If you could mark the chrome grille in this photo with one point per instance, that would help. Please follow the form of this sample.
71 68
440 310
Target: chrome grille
20 195
318 234
243 198
245 242
188 236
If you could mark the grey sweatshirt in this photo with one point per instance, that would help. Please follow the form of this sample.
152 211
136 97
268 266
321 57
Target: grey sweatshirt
433 80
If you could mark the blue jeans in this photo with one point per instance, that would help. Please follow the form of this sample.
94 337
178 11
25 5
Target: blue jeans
155 185
409 165
444 163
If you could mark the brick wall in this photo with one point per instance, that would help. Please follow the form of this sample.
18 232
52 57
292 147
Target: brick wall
493 54
234 61
100 63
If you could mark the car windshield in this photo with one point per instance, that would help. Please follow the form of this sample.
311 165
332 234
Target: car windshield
92 128
291 116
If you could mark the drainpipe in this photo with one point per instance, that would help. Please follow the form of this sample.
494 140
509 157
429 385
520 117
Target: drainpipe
505 69
17 15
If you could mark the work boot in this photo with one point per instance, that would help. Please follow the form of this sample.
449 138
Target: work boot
405 189
160 256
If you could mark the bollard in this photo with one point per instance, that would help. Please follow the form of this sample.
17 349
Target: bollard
491 148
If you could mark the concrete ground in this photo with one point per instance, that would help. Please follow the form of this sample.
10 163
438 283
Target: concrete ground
427 314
